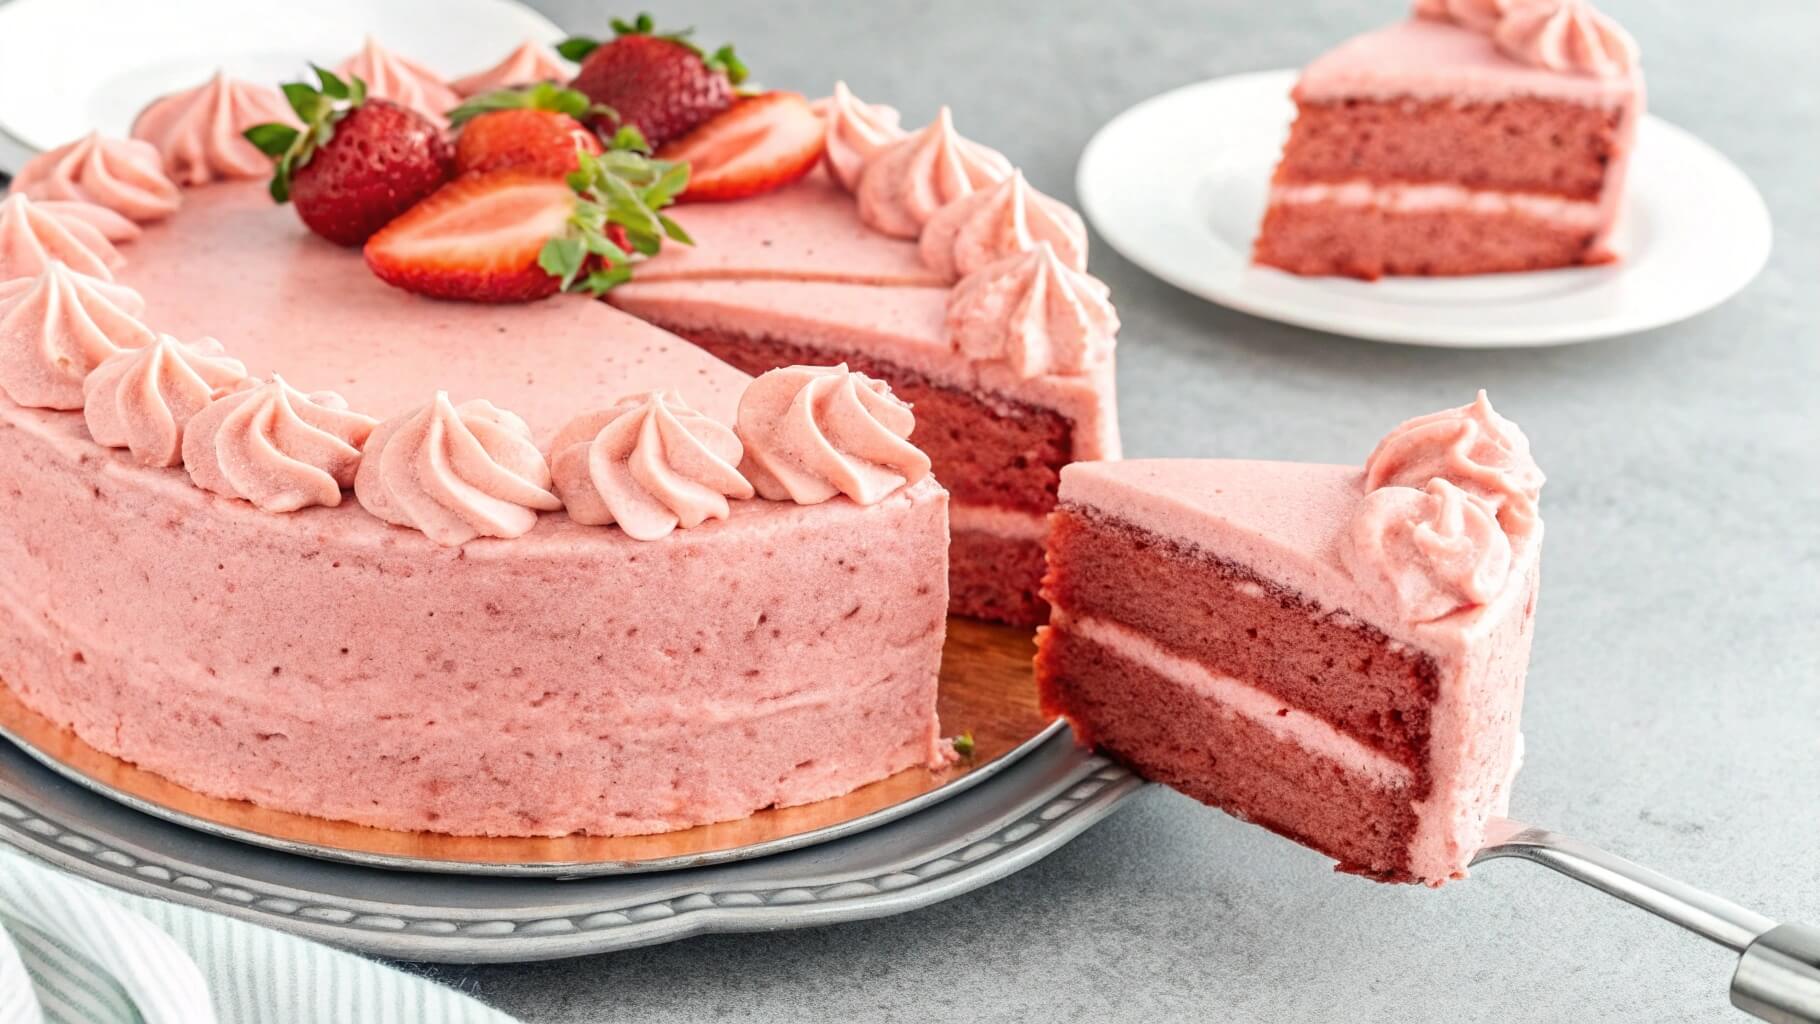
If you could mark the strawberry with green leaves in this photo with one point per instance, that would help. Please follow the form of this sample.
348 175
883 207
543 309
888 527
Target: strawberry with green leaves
516 235
356 163
538 128
660 83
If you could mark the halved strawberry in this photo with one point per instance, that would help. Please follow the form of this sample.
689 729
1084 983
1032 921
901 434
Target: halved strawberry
517 235
759 144
477 239
537 128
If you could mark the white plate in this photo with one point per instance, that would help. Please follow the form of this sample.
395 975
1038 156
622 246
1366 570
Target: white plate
1178 184
68 67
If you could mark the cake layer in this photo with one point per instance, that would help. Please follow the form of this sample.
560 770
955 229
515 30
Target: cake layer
1176 732
993 576
573 679
1370 240
1521 144
1319 661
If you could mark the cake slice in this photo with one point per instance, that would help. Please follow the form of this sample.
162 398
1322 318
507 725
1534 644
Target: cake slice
1333 652
1470 138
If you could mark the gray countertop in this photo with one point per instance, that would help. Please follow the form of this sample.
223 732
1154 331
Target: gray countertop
1675 691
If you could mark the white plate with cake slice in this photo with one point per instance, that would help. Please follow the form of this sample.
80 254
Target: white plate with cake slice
69 67
1186 205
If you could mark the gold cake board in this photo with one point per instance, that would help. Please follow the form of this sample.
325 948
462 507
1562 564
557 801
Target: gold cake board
986 691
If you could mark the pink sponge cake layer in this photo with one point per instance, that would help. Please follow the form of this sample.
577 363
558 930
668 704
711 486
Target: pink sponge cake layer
1430 148
569 680
997 441
1207 631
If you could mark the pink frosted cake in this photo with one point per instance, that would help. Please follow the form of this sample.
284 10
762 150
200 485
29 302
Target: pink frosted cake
524 567
1334 653
1475 136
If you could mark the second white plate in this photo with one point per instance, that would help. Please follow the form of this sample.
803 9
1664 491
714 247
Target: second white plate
1177 184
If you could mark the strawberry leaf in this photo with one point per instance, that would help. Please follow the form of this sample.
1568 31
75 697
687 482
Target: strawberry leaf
577 48
563 258
618 194
542 96
272 138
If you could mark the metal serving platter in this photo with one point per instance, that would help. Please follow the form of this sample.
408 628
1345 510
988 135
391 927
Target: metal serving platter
1026 810
985 692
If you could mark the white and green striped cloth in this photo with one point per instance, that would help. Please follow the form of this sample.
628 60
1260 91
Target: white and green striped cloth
79 953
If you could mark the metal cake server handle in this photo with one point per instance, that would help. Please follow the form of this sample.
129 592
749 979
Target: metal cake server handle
1778 976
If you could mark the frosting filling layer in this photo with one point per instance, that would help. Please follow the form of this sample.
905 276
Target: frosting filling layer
1429 198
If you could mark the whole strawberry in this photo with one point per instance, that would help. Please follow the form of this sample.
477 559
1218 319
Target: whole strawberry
659 83
534 129
357 163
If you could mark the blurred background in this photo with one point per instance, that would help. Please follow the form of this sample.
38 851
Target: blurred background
1674 694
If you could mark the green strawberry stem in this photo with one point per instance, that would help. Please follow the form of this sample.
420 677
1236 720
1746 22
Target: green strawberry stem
542 96
319 107
624 188
577 48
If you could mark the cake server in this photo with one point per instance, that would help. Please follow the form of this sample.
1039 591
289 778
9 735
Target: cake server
1778 975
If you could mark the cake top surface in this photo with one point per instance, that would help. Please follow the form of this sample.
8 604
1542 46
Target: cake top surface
283 300
1431 58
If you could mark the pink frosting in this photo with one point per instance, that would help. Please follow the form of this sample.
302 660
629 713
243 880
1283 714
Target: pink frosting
142 399
529 64
1471 447
197 131
1034 313
1566 35
32 238
393 76
276 447
1426 554
906 182
998 221
856 131
649 463
812 432
456 472
109 224
1481 15
56 328
124 175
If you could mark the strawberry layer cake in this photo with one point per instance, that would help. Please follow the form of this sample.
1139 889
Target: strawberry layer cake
362 512
1333 652
1475 136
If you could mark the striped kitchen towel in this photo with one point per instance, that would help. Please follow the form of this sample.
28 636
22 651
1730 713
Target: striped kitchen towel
71 951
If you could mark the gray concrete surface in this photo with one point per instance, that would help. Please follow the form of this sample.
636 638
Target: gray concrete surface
1675 690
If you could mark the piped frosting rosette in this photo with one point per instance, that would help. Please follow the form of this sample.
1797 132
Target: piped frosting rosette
1566 35
456 472
1034 313
105 222
1481 15
142 399
529 64
856 131
197 131
123 175
33 237
59 326
814 432
392 76
997 221
649 463
1450 501
276 447
904 184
